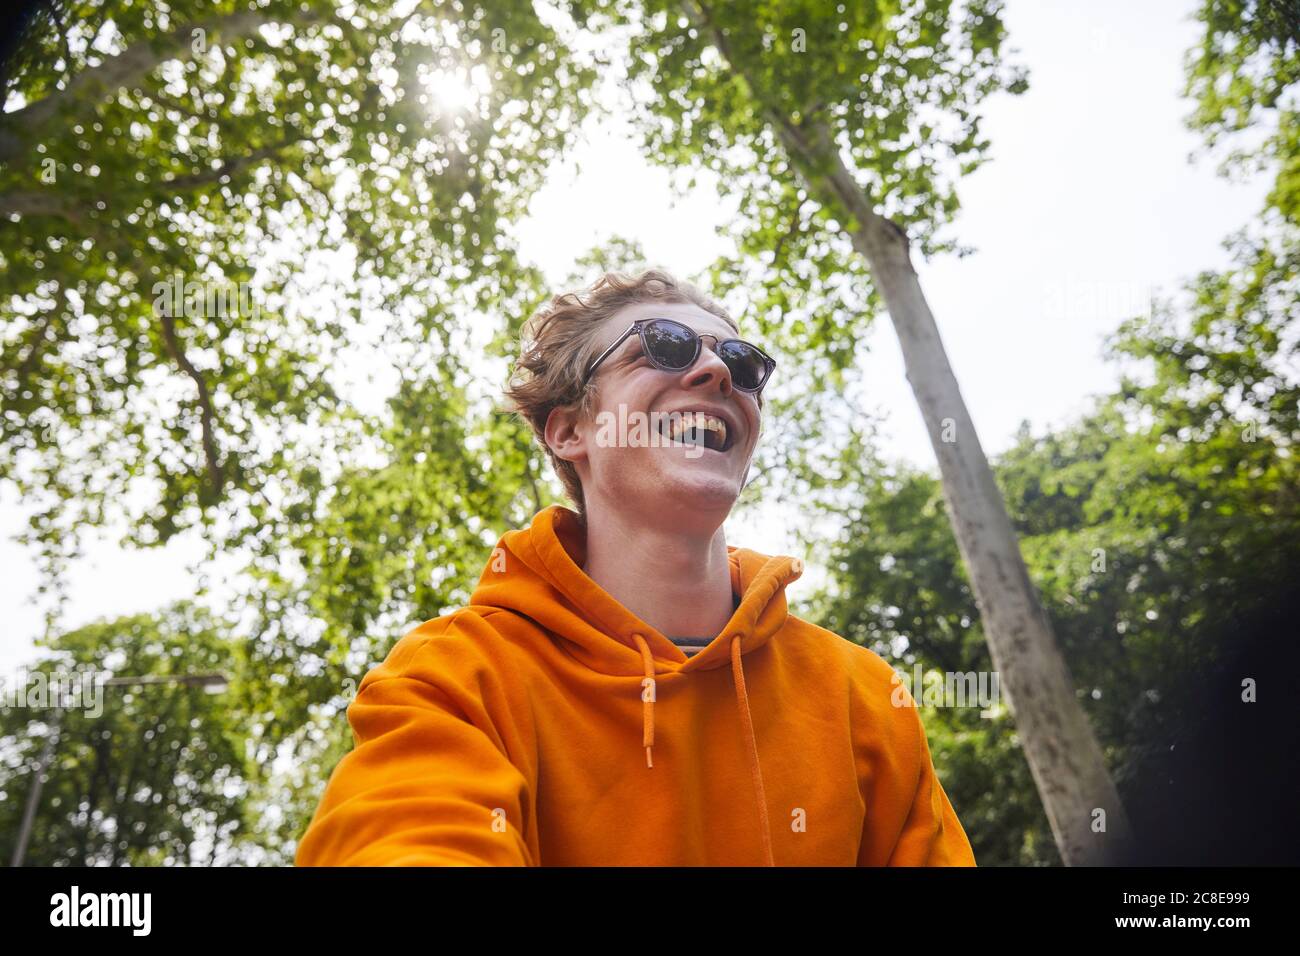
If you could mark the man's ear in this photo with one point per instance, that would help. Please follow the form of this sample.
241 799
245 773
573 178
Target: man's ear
564 434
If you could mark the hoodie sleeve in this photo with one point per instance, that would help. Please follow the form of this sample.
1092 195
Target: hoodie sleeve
931 834
428 782
907 818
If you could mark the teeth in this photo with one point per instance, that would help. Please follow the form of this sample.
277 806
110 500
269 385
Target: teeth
689 420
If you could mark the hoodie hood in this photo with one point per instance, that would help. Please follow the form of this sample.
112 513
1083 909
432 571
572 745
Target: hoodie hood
537 573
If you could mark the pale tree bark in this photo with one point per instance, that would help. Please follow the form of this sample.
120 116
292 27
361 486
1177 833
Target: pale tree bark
1063 754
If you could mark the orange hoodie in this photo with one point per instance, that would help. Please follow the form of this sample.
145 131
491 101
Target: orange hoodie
546 724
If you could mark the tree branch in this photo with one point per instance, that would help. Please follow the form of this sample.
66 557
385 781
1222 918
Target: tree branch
791 231
230 167
817 157
206 414
57 16
63 207
95 84
40 204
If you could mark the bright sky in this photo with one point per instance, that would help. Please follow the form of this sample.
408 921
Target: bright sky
1089 205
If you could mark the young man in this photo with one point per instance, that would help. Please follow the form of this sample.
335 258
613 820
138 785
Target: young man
625 688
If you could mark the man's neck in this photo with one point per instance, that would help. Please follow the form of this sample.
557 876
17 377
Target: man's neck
675 581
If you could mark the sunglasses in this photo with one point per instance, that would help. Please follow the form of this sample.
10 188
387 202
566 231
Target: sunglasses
674 347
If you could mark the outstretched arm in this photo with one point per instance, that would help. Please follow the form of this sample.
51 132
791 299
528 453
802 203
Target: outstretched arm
427 784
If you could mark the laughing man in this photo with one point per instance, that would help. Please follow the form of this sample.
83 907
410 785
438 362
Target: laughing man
626 688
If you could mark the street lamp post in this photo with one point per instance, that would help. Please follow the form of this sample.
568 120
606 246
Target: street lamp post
212 683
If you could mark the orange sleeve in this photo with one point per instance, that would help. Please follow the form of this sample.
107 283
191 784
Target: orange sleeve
428 783
932 835
909 820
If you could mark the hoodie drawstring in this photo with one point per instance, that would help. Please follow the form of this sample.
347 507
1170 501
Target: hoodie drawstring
742 703
746 719
647 702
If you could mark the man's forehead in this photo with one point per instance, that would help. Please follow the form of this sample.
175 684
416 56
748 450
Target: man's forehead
686 313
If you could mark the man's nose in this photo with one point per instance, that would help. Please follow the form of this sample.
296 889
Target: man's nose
709 365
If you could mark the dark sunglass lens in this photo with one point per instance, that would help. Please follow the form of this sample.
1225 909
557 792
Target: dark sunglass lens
671 344
746 363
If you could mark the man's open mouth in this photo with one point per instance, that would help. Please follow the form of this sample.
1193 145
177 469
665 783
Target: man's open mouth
696 428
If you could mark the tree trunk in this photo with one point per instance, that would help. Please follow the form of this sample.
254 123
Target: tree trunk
1063 753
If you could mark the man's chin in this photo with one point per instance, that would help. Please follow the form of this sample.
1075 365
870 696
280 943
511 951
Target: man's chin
699 491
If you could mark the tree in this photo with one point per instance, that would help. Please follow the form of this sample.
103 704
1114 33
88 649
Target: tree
1242 76
211 206
140 775
216 213
868 114
1161 527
